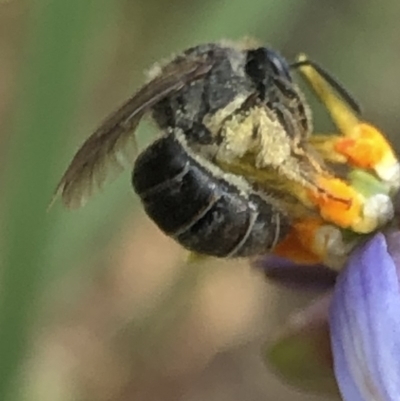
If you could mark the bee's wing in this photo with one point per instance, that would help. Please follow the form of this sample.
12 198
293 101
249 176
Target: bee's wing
109 146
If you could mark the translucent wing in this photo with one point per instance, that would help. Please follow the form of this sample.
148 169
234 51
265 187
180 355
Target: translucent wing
111 145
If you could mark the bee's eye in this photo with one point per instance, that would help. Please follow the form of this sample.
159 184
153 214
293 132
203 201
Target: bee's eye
262 60
278 64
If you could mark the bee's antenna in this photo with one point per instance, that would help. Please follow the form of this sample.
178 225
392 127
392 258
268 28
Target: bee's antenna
340 89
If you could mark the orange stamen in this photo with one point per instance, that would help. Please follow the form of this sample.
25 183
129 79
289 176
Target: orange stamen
298 244
338 203
365 147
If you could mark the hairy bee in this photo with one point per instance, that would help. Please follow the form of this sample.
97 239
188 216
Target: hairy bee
225 112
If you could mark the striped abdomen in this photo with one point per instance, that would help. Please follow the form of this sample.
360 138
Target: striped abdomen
200 207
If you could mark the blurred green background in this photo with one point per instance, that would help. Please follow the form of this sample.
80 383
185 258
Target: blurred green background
95 304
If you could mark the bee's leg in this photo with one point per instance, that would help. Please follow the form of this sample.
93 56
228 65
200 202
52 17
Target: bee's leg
233 129
325 145
312 241
361 144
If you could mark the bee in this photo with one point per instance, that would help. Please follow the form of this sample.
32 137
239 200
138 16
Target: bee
225 112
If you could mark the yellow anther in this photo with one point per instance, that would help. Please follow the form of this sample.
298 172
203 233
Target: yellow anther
342 115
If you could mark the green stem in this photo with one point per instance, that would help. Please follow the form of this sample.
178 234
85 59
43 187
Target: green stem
49 83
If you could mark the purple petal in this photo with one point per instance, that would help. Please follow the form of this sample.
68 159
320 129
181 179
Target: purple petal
393 244
365 325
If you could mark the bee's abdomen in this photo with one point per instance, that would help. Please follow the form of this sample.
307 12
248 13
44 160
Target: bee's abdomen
200 208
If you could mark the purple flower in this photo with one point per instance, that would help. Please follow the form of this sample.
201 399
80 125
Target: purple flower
363 321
